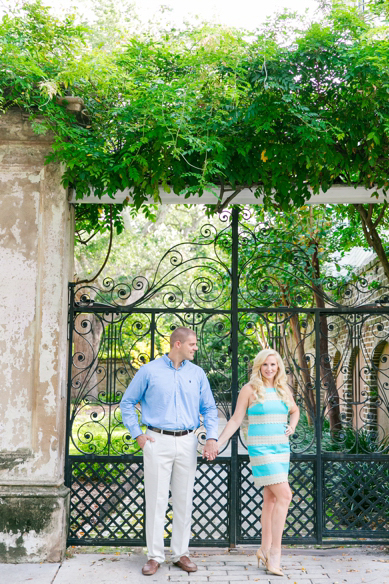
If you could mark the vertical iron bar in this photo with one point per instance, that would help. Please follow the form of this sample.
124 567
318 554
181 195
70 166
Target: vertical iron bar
194 328
277 347
108 392
113 382
115 370
110 357
68 470
152 339
319 469
234 468
356 382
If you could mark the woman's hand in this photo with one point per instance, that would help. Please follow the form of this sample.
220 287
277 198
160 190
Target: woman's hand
290 430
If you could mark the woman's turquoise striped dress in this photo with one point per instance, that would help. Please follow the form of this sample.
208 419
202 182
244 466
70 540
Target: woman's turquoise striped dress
267 443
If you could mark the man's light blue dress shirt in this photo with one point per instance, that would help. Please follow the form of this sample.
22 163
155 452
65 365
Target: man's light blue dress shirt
171 399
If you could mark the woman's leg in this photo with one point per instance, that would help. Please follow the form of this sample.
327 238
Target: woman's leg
283 496
266 519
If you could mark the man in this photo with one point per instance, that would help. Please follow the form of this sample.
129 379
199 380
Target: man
173 392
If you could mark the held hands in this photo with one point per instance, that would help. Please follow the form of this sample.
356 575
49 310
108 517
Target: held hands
142 439
211 450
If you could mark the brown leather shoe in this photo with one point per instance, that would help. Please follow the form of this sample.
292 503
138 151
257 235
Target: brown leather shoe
185 564
150 568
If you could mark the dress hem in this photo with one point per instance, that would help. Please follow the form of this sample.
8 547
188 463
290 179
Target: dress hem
258 483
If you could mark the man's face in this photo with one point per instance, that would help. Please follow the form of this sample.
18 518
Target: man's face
188 348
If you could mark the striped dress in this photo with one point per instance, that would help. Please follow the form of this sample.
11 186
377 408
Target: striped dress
267 443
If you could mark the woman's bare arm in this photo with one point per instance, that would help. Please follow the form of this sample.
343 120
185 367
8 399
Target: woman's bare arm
236 419
294 416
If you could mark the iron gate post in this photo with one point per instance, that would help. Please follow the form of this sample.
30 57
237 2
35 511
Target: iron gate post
68 469
234 468
319 468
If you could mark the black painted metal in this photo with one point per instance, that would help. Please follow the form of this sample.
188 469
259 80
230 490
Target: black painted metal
226 285
234 372
318 468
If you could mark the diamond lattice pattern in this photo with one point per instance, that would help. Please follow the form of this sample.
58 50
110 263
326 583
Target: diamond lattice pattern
301 516
356 497
107 503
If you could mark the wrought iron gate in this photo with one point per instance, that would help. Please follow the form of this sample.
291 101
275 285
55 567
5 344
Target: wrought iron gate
241 287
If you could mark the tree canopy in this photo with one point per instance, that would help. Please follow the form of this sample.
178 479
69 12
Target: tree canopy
280 111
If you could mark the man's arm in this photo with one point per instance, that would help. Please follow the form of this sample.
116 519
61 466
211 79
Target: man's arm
131 397
208 410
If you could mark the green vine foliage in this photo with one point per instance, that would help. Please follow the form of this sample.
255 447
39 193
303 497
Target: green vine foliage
206 108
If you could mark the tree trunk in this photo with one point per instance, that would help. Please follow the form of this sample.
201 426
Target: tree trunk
309 396
327 376
372 236
296 330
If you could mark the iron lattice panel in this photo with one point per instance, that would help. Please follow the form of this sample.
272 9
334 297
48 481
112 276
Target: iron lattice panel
107 501
210 514
356 498
250 504
301 520
211 503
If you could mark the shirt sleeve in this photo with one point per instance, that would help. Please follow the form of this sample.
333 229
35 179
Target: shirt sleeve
208 408
131 397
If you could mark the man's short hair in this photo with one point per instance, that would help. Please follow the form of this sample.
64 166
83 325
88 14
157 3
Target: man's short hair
181 333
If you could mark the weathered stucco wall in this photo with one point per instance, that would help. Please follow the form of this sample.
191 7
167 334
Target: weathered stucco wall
35 267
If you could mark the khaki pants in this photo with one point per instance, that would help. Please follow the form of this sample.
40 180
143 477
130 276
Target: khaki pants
170 461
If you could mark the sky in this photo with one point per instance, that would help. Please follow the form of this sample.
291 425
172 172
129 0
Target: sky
239 13
246 14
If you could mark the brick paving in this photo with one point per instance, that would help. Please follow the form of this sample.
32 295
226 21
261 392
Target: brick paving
352 565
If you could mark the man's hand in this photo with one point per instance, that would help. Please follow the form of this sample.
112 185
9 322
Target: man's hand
142 439
211 450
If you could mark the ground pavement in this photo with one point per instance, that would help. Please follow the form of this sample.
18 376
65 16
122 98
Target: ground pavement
341 565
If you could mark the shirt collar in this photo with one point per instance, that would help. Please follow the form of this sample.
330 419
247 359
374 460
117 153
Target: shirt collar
169 362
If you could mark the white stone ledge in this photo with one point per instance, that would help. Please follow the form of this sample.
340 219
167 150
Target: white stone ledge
334 195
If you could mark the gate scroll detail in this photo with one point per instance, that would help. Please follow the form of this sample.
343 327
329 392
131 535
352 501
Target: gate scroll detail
241 287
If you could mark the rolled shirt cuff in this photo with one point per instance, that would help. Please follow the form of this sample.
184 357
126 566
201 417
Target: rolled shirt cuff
211 436
135 432
211 429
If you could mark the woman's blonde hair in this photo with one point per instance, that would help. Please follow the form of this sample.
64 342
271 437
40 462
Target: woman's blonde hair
280 381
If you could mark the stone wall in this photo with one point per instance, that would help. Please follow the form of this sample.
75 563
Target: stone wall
35 267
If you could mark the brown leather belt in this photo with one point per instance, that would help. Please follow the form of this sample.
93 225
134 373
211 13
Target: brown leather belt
170 432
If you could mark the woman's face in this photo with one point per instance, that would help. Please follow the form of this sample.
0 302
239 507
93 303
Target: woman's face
269 368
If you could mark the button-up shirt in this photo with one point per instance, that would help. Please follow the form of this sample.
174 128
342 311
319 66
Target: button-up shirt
171 399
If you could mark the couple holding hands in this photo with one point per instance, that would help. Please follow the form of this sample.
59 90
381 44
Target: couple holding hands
173 392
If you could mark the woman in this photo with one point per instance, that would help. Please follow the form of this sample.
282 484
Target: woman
268 401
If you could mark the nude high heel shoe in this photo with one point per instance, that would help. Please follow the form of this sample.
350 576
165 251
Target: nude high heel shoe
261 557
274 571
271 569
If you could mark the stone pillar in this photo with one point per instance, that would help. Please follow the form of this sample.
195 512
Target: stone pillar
36 250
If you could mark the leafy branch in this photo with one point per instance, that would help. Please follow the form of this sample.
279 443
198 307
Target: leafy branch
108 252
